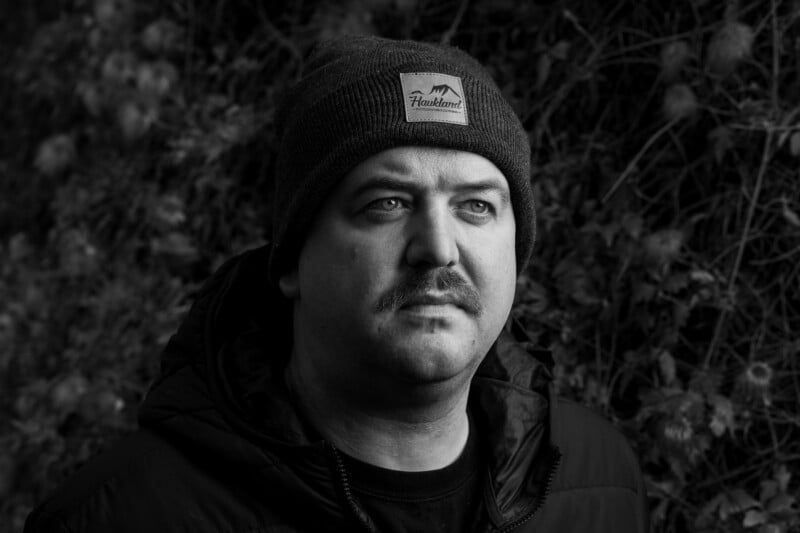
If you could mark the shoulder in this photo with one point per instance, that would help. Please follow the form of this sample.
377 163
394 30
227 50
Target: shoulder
597 485
142 482
102 483
594 452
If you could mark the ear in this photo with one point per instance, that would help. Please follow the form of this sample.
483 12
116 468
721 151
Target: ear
290 284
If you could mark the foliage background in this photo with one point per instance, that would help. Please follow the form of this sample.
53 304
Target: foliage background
135 153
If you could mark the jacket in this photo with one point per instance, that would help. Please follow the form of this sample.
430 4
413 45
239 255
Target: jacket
221 448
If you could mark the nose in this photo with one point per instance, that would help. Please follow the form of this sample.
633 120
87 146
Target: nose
433 240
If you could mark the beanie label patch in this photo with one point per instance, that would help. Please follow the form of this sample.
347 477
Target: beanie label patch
433 97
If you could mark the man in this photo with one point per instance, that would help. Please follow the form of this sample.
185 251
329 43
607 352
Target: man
360 373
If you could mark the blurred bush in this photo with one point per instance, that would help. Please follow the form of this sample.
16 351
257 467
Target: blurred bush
135 156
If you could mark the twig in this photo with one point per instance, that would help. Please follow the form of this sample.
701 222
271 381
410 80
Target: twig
628 169
570 16
284 41
762 170
765 155
777 258
775 56
772 432
451 31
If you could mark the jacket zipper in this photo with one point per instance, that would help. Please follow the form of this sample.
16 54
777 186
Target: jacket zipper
550 475
361 515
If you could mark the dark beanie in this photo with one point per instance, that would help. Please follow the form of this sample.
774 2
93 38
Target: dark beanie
361 95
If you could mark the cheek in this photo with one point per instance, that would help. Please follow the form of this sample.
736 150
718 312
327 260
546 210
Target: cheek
498 271
503 279
344 265
369 268
325 289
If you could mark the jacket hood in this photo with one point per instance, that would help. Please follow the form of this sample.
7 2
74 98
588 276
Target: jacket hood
221 389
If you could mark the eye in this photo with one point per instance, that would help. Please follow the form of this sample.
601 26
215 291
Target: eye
386 208
386 204
478 207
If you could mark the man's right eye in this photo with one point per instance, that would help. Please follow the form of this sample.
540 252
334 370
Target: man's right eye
385 204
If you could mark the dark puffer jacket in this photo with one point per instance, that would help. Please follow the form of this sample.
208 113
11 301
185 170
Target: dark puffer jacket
222 449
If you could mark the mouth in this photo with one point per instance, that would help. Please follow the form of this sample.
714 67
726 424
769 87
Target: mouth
438 306
431 301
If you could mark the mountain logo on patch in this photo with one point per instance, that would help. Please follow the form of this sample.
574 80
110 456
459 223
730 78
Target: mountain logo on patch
439 89
433 97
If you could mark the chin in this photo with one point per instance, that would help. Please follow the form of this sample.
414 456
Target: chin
434 358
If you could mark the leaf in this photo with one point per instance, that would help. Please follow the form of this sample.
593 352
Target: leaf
729 45
659 513
722 418
674 56
175 244
736 501
702 276
753 518
712 505
769 488
783 476
19 247
608 232
717 426
560 50
680 314
676 282
663 246
666 364
721 142
781 503
705 382
643 292
785 124
542 70
632 223
794 144
55 154
789 214
534 296
168 211
574 281
679 102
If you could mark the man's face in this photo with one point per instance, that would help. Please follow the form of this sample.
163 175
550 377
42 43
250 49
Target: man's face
408 272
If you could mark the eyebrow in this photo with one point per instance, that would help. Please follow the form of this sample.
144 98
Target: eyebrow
411 187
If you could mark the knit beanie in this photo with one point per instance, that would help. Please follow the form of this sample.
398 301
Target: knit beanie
360 95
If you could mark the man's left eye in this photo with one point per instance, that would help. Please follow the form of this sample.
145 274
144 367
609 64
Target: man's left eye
478 207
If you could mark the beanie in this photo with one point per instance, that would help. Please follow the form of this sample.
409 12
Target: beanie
360 95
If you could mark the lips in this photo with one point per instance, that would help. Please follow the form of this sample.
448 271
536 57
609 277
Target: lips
432 299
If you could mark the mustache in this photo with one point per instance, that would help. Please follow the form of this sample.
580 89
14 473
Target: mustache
420 282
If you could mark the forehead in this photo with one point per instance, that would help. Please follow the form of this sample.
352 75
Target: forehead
426 167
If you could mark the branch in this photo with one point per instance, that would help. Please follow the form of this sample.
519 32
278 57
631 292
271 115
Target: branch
448 35
628 169
762 170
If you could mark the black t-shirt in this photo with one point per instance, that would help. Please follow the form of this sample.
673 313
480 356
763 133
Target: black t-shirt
445 500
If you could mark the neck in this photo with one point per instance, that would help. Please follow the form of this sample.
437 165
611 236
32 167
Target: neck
418 436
